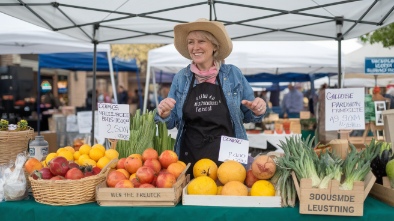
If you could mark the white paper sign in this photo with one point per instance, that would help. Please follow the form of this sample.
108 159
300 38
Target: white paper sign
232 148
72 123
114 121
345 109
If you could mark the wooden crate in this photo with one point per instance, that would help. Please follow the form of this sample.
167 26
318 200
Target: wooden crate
230 201
383 192
106 196
346 203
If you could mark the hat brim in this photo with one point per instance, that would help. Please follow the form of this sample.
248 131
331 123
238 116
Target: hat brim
215 28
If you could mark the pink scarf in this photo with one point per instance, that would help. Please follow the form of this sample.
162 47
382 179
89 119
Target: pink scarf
205 76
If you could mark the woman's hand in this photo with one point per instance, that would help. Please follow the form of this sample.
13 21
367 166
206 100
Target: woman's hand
258 105
165 107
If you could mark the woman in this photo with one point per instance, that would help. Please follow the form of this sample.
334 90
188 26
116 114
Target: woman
208 98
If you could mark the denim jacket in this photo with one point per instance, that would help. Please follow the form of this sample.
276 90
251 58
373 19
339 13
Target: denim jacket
235 88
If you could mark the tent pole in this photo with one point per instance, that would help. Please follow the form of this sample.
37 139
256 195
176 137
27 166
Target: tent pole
147 79
339 26
94 100
111 71
38 99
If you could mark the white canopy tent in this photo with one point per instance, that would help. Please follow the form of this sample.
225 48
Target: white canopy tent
152 21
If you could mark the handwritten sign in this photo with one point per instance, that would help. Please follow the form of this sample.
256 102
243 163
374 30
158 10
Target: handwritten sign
84 119
345 109
114 121
232 148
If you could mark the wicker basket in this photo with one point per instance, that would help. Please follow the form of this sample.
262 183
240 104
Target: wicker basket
68 192
12 143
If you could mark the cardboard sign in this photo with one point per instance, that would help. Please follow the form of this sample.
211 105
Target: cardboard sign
345 109
114 121
232 148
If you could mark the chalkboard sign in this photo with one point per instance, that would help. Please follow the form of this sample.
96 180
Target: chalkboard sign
114 121
232 148
345 109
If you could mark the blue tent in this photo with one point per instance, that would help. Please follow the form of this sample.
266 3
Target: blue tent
84 62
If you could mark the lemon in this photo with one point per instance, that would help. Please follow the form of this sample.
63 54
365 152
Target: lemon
88 162
111 154
95 154
44 164
60 150
102 162
205 167
202 185
50 157
66 154
99 146
82 157
262 188
76 154
70 148
85 148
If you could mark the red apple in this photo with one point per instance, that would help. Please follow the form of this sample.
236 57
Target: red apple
135 182
165 180
167 157
59 166
250 179
124 184
145 174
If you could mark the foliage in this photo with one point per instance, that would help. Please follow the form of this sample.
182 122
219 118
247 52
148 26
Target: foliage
384 35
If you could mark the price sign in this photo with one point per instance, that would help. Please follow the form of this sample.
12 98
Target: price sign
345 109
114 121
232 148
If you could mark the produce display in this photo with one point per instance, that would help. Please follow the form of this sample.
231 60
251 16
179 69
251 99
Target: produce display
232 179
70 164
146 170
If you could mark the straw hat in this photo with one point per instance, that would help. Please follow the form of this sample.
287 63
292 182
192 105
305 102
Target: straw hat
217 29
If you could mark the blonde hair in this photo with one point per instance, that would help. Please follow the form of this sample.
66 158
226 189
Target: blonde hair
211 38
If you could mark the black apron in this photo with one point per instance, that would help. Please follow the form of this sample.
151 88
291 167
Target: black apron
207 118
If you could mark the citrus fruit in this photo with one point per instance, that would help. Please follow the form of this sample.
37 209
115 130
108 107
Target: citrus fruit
111 154
262 188
66 154
89 162
202 185
205 167
102 162
99 146
50 157
84 149
69 148
82 158
219 192
231 171
32 164
60 150
234 188
95 154
76 154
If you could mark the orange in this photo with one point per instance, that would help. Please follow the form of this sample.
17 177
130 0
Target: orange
32 164
234 188
231 171
202 185
205 167
262 188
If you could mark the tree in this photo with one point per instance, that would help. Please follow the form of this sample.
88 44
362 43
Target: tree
383 35
137 51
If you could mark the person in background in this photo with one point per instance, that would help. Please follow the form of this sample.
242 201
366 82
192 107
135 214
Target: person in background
390 95
123 97
293 102
376 95
208 98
